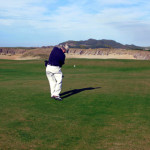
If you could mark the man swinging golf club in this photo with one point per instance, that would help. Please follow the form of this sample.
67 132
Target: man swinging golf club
53 70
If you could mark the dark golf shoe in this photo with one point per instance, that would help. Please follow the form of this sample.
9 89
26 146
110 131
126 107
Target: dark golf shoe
57 98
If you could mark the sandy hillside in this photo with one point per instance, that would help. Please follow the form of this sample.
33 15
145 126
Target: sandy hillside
100 53
18 57
110 56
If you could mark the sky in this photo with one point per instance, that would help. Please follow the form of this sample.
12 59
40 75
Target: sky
50 22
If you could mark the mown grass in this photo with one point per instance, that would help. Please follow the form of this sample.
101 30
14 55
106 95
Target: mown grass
106 106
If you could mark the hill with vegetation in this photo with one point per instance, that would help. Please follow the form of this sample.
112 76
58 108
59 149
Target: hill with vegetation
92 43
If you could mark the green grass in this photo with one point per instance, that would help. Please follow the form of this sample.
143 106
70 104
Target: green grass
106 106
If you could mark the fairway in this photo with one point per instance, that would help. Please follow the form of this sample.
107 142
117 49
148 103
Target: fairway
106 106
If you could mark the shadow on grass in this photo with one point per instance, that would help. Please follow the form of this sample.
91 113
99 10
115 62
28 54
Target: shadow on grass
76 91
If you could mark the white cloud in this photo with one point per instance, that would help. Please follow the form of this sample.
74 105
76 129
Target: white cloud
27 9
118 2
7 4
6 22
113 19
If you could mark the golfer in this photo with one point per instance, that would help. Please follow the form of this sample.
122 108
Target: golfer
53 70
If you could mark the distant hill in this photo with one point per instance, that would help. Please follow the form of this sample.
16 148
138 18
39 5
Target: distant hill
92 43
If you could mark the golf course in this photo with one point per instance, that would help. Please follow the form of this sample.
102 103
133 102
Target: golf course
106 106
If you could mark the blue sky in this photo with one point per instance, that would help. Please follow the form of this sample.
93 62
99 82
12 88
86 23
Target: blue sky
50 22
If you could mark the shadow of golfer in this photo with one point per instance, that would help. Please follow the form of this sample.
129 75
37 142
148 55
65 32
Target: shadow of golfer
75 91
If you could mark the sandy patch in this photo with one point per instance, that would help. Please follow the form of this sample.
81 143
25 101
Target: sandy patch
110 56
27 58
17 57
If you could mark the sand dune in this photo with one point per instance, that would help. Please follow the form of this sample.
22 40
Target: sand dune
110 56
18 57
101 53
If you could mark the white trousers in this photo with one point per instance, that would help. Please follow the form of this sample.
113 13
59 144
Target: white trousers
54 76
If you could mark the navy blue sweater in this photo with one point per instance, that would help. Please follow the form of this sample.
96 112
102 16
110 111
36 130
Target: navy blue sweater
57 57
